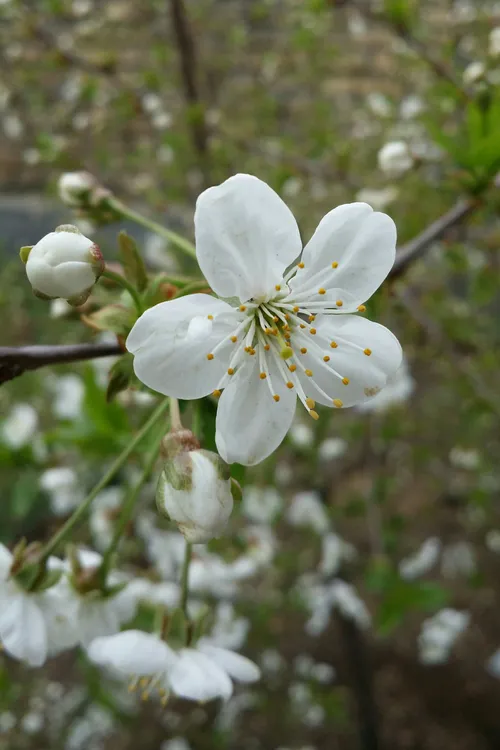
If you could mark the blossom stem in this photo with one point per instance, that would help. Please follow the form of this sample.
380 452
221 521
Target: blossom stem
128 213
122 281
175 414
127 510
185 580
114 468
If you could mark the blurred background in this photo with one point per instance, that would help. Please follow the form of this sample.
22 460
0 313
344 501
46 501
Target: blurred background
373 607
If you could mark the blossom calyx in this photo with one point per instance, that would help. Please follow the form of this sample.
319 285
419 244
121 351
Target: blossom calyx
194 491
64 264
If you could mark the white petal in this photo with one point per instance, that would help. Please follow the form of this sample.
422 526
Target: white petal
132 653
238 667
171 341
5 562
361 241
96 618
198 678
22 627
250 425
367 375
245 237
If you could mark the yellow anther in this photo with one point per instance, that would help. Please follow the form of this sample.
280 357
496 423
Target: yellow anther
312 330
333 344
164 701
216 393
266 347
321 291
339 303
275 318
242 308
278 288
311 318
210 317
311 403
144 682
276 397
345 381
302 325
292 368
145 696
326 358
234 339
300 265
335 264
309 373
289 384
210 356
361 308
286 352
303 350
296 309
251 352
263 375
287 335
367 352
313 414
230 371
268 331
287 317
338 403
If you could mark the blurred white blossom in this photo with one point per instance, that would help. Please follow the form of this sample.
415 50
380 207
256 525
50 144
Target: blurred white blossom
306 509
19 427
394 159
439 633
424 559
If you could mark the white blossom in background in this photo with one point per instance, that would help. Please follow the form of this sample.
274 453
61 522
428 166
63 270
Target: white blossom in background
261 504
458 559
102 365
424 559
411 106
334 551
176 743
474 73
194 491
228 630
301 435
464 458
64 264
103 514
395 158
69 392
439 633
492 540
272 661
259 355
399 389
379 104
202 673
19 427
331 449
62 485
345 598
493 665
379 198
494 42
283 473
75 186
307 510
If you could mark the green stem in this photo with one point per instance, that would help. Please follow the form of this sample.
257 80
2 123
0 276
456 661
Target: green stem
153 226
122 281
175 414
185 580
194 286
127 510
114 468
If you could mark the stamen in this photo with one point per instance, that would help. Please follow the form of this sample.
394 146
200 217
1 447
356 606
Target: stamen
263 375
367 352
321 291
338 403
289 384
361 308
311 403
335 264
303 350
234 339
210 317
300 265
312 331
308 373
242 308
266 347
292 368
278 288
276 397
313 414
210 356
345 381
333 344
216 393
230 371
326 358
339 303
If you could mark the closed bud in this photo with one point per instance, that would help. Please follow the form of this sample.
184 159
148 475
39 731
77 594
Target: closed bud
64 264
194 491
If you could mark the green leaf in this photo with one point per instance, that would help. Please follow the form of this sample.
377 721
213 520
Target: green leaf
132 262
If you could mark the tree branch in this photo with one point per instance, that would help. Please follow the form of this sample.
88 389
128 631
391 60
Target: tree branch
14 361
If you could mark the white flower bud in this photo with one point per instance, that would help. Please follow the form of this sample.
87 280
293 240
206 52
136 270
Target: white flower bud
75 187
64 264
194 491
395 159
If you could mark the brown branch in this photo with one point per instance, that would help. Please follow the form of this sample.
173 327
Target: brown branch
416 247
189 70
14 361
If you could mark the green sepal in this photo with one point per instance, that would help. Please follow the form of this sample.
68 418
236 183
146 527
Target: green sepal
132 262
24 252
121 376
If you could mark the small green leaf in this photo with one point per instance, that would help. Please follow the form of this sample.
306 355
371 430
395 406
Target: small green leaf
132 262
115 318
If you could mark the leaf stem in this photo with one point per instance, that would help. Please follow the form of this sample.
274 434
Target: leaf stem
122 281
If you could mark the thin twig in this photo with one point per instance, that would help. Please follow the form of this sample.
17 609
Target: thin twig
15 361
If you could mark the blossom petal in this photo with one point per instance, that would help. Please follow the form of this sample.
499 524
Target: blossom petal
132 653
22 627
171 342
367 374
238 667
362 244
246 236
5 562
250 424
196 677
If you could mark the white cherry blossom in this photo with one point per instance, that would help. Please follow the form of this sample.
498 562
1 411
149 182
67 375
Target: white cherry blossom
283 335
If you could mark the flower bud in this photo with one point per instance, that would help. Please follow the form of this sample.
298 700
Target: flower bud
394 159
194 491
64 264
76 188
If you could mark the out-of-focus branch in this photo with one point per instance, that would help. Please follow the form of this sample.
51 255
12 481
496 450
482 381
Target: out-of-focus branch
416 247
189 69
15 361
